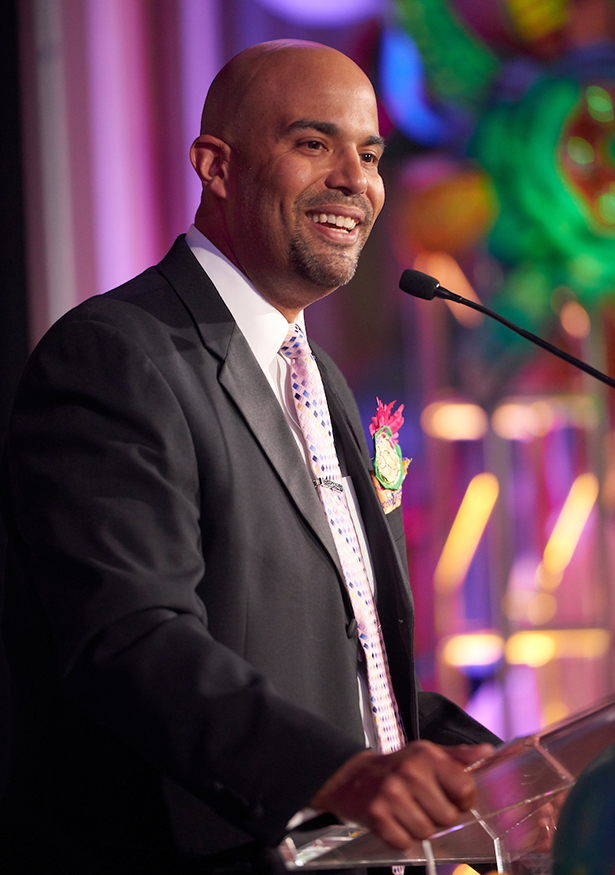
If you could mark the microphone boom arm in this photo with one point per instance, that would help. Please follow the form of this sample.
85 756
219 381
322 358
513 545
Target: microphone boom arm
429 292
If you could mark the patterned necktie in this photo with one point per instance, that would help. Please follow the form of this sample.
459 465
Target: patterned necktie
313 414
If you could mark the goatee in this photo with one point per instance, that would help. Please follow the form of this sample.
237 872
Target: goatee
336 268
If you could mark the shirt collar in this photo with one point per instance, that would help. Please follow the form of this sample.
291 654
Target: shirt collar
263 326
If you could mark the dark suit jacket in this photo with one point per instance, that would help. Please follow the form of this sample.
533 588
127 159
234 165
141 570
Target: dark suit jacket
181 640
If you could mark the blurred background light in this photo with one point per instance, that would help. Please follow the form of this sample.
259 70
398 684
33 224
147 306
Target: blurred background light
480 648
580 150
428 218
575 320
323 13
528 606
533 20
449 274
460 65
606 205
466 532
599 103
454 421
402 80
537 648
570 524
541 608
521 421
530 648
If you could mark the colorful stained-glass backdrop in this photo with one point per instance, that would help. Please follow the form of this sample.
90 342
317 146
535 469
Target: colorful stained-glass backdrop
506 194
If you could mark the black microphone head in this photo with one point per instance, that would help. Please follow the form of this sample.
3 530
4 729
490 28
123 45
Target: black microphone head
421 285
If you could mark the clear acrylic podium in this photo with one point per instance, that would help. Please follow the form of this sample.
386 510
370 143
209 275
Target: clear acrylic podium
520 790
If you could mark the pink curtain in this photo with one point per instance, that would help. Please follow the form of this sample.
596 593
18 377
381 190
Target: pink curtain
113 91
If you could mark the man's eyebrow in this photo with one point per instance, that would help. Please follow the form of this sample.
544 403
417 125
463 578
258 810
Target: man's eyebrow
375 140
330 129
301 124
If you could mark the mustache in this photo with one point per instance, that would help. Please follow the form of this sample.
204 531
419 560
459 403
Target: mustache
336 199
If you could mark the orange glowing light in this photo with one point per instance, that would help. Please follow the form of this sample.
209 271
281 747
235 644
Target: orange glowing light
450 276
466 532
570 524
575 320
454 421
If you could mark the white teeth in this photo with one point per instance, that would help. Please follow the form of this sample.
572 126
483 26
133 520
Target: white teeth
332 219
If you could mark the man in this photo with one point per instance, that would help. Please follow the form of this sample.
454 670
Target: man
184 650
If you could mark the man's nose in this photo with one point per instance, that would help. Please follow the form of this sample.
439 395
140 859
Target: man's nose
348 173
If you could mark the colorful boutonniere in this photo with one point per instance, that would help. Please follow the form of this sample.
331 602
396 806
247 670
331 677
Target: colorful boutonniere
389 465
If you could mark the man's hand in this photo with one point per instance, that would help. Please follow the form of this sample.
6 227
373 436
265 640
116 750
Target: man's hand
406 795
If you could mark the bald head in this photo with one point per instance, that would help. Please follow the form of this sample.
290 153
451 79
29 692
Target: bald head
288 157
237 93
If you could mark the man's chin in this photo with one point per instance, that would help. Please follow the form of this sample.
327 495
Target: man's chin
329 280
326 271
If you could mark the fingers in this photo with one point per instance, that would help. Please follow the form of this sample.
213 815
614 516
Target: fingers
398 826
437 782
403 796
424 792
546 824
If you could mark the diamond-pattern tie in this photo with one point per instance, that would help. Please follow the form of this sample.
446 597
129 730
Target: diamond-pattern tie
313 414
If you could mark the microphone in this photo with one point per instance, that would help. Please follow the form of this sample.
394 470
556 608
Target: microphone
421 285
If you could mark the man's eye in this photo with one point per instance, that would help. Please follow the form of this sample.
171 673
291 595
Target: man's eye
369 158
314 145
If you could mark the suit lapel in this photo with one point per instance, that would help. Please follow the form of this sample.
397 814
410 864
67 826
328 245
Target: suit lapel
244 382
260 408
391 578
352 446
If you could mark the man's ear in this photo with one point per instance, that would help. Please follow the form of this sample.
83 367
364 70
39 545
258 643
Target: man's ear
210 158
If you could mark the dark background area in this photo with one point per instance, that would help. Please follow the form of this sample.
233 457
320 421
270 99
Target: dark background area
13 310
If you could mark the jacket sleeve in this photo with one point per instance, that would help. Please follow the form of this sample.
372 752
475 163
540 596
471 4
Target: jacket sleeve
444 722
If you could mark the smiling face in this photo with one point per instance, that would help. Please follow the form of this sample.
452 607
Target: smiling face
302 187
